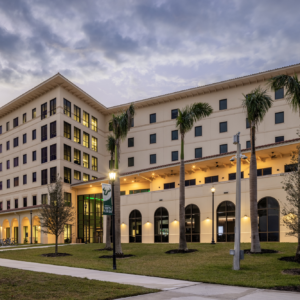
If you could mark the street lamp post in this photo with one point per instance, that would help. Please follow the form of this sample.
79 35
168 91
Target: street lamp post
31 227
213 216
85 207
112 177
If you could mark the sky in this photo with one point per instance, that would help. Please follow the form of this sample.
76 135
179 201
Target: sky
120 51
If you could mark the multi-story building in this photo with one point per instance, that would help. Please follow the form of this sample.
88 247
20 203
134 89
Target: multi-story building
58 128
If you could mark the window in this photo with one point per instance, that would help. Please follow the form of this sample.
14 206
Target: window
94 144
279 139
86 119
8 204
152 118
248 144
264 172
77 175
67 153
44 133
15 122
174 134
0 167
192 223
169 186
223 127
24 118
174 155
7 164
190 182
16 181
44 198
94 177
86 140
198 153
223 104
77 113
53 107
1 129
52 129
232 176
34 113
94 163
67 130
8 183
77 135
211 179
135 227
225 222
44 111
7 126
24 138
279 118
53 152
223 148
110 126
53 175
33 155
77 157
34 134
68 198
34 177
290 168
7 145
86 177
67 108
279 94
25 159
247 123
16 142
16 161
130 161
152 158
1 206
94 124
86 160
33 200
132 122
153 138
174 113
44 155
44 177
132 192
67 175
16 203
131 142
0 148
198 131
25 202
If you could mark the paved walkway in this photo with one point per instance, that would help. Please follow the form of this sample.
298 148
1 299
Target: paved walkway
171 288
12 248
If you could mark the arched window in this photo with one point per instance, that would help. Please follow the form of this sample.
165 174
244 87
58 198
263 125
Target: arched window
226 221
135 227
268 219
161 225
192 223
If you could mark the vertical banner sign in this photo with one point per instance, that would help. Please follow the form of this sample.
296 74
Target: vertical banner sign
107 201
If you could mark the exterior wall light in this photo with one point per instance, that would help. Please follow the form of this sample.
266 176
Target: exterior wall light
245 216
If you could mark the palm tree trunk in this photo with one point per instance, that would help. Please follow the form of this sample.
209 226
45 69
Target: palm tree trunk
297 257
108 239
255 244
182 238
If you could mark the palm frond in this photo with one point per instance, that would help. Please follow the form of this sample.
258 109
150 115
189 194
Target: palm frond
110 144
257 104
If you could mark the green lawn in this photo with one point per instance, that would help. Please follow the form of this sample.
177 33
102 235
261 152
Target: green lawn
19 284
212 263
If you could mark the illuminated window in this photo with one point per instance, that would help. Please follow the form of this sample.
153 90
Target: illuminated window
86 160
77 134
94 124
77 175
86 119
77 157
77 113
94 144
94 163
86 177
67 108
86 140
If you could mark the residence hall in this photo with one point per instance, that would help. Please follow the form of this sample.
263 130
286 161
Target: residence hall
58 128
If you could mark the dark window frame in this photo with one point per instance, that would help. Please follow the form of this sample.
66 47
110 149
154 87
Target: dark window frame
222 104
130 161
152 118
221 125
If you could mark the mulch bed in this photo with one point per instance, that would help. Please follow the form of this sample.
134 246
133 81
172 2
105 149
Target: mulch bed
287 288
291 271
176 251
117 256
104 249
290 259
56 255
263 251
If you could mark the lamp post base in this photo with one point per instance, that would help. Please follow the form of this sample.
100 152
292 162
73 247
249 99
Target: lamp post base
213 242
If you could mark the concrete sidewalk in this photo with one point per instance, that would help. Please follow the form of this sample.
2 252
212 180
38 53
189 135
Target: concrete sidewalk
171 288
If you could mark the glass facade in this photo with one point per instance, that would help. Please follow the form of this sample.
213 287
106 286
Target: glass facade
226 222
192 223
161 225
90 219
135 227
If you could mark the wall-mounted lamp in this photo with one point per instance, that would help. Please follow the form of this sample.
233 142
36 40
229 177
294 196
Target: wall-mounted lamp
175 220
178 183
148 222
222 177
123 223
199 181
159 187
278 170
245 216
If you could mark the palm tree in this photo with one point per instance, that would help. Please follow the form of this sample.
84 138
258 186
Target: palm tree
110 146
292 95
256 104
185 122
121 125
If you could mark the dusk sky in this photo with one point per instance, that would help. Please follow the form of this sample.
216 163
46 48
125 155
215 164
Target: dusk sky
121 51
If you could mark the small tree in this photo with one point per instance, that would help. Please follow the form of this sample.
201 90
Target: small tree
54 215
291 212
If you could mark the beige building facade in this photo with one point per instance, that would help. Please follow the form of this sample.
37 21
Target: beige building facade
70 139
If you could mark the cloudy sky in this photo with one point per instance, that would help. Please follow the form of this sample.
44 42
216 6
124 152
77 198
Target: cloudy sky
124 50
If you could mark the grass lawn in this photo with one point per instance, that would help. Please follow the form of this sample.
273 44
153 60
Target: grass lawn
212 263
19 284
